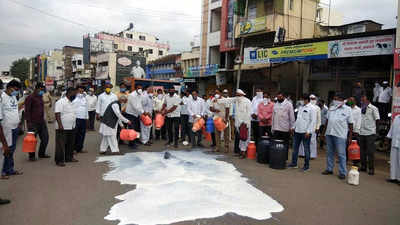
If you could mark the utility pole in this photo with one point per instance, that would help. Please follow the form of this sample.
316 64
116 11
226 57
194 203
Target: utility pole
242 47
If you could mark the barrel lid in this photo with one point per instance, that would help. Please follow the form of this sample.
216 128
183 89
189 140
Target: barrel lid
265 137
354 167
30 132
252 142
280 141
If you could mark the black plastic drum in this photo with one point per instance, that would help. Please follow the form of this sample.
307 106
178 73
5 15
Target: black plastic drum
278 153
263 150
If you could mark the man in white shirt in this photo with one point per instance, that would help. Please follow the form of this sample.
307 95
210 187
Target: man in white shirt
377 91
159 101
186 129
196 110
172 111
394 134
82 115
221 110
148 105
304 127
209 114
92 102
313 140
367 134
338 133
65 128
384 100
9 123
134 109
257 99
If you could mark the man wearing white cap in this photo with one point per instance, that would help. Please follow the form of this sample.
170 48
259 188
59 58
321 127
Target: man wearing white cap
313 141
384 100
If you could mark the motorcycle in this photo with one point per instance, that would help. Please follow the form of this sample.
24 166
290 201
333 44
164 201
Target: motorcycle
382 131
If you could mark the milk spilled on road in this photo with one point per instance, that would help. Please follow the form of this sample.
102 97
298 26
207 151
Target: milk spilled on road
188 186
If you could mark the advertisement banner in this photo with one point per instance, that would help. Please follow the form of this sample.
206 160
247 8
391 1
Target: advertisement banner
366 46
255 56
310 51
253 25
396 95
202 71
227 26
127 64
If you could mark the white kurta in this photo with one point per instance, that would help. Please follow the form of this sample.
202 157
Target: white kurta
110 134
313 141
394 134
147 104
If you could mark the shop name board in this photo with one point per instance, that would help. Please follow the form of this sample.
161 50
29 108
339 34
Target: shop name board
310 51
202 71
366 46
256 56
253 25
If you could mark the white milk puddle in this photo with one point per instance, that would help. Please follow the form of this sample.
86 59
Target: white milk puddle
188 186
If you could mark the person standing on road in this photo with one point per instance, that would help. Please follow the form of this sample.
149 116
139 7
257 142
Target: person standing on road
92 101
186 129
209 114
109 124
257 99
338 133
377 91
34 116
65 128
104 100
282 119
134 109
172 111
324 118
394 134
264 113
221 110
4 150
304 128
159 101
196 111
313 139
10 124
82 115
148 105
48 103
369 119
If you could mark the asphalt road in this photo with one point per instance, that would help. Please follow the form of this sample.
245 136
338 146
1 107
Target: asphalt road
77 194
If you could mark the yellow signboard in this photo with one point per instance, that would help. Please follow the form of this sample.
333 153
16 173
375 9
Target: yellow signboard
254 25
318 50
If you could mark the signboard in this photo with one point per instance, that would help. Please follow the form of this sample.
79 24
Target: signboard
228 26
396 95
310 51
125 63
366 46
255 56
253 25
204 71
220 79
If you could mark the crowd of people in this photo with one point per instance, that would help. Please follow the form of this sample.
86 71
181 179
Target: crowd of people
308 123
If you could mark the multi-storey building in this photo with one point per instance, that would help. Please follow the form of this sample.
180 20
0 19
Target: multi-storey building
69 53
165 68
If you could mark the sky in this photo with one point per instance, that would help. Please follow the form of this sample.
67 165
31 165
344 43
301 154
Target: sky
30 27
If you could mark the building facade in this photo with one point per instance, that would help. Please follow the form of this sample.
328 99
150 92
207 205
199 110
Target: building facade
70 70
165 68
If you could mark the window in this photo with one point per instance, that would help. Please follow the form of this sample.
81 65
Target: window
129 36
130 48
291 4
160 53
115 46
150 51
79 62
140 49
142 38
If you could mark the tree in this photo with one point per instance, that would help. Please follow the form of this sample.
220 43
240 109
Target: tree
20 69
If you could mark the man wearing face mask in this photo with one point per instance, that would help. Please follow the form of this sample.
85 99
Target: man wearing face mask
254 107
92 101
104 100
369 118
172 111
264 112
196 111
384 100
282 119
10 125
303 129
221 110
159 101
186 129
313 140
338 132
34 116
65 128
82 115
147 103
123 91
134 109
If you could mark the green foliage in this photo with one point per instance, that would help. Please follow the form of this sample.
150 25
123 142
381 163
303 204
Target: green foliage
20 69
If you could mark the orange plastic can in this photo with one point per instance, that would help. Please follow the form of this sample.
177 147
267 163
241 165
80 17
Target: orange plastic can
30 142
251 150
